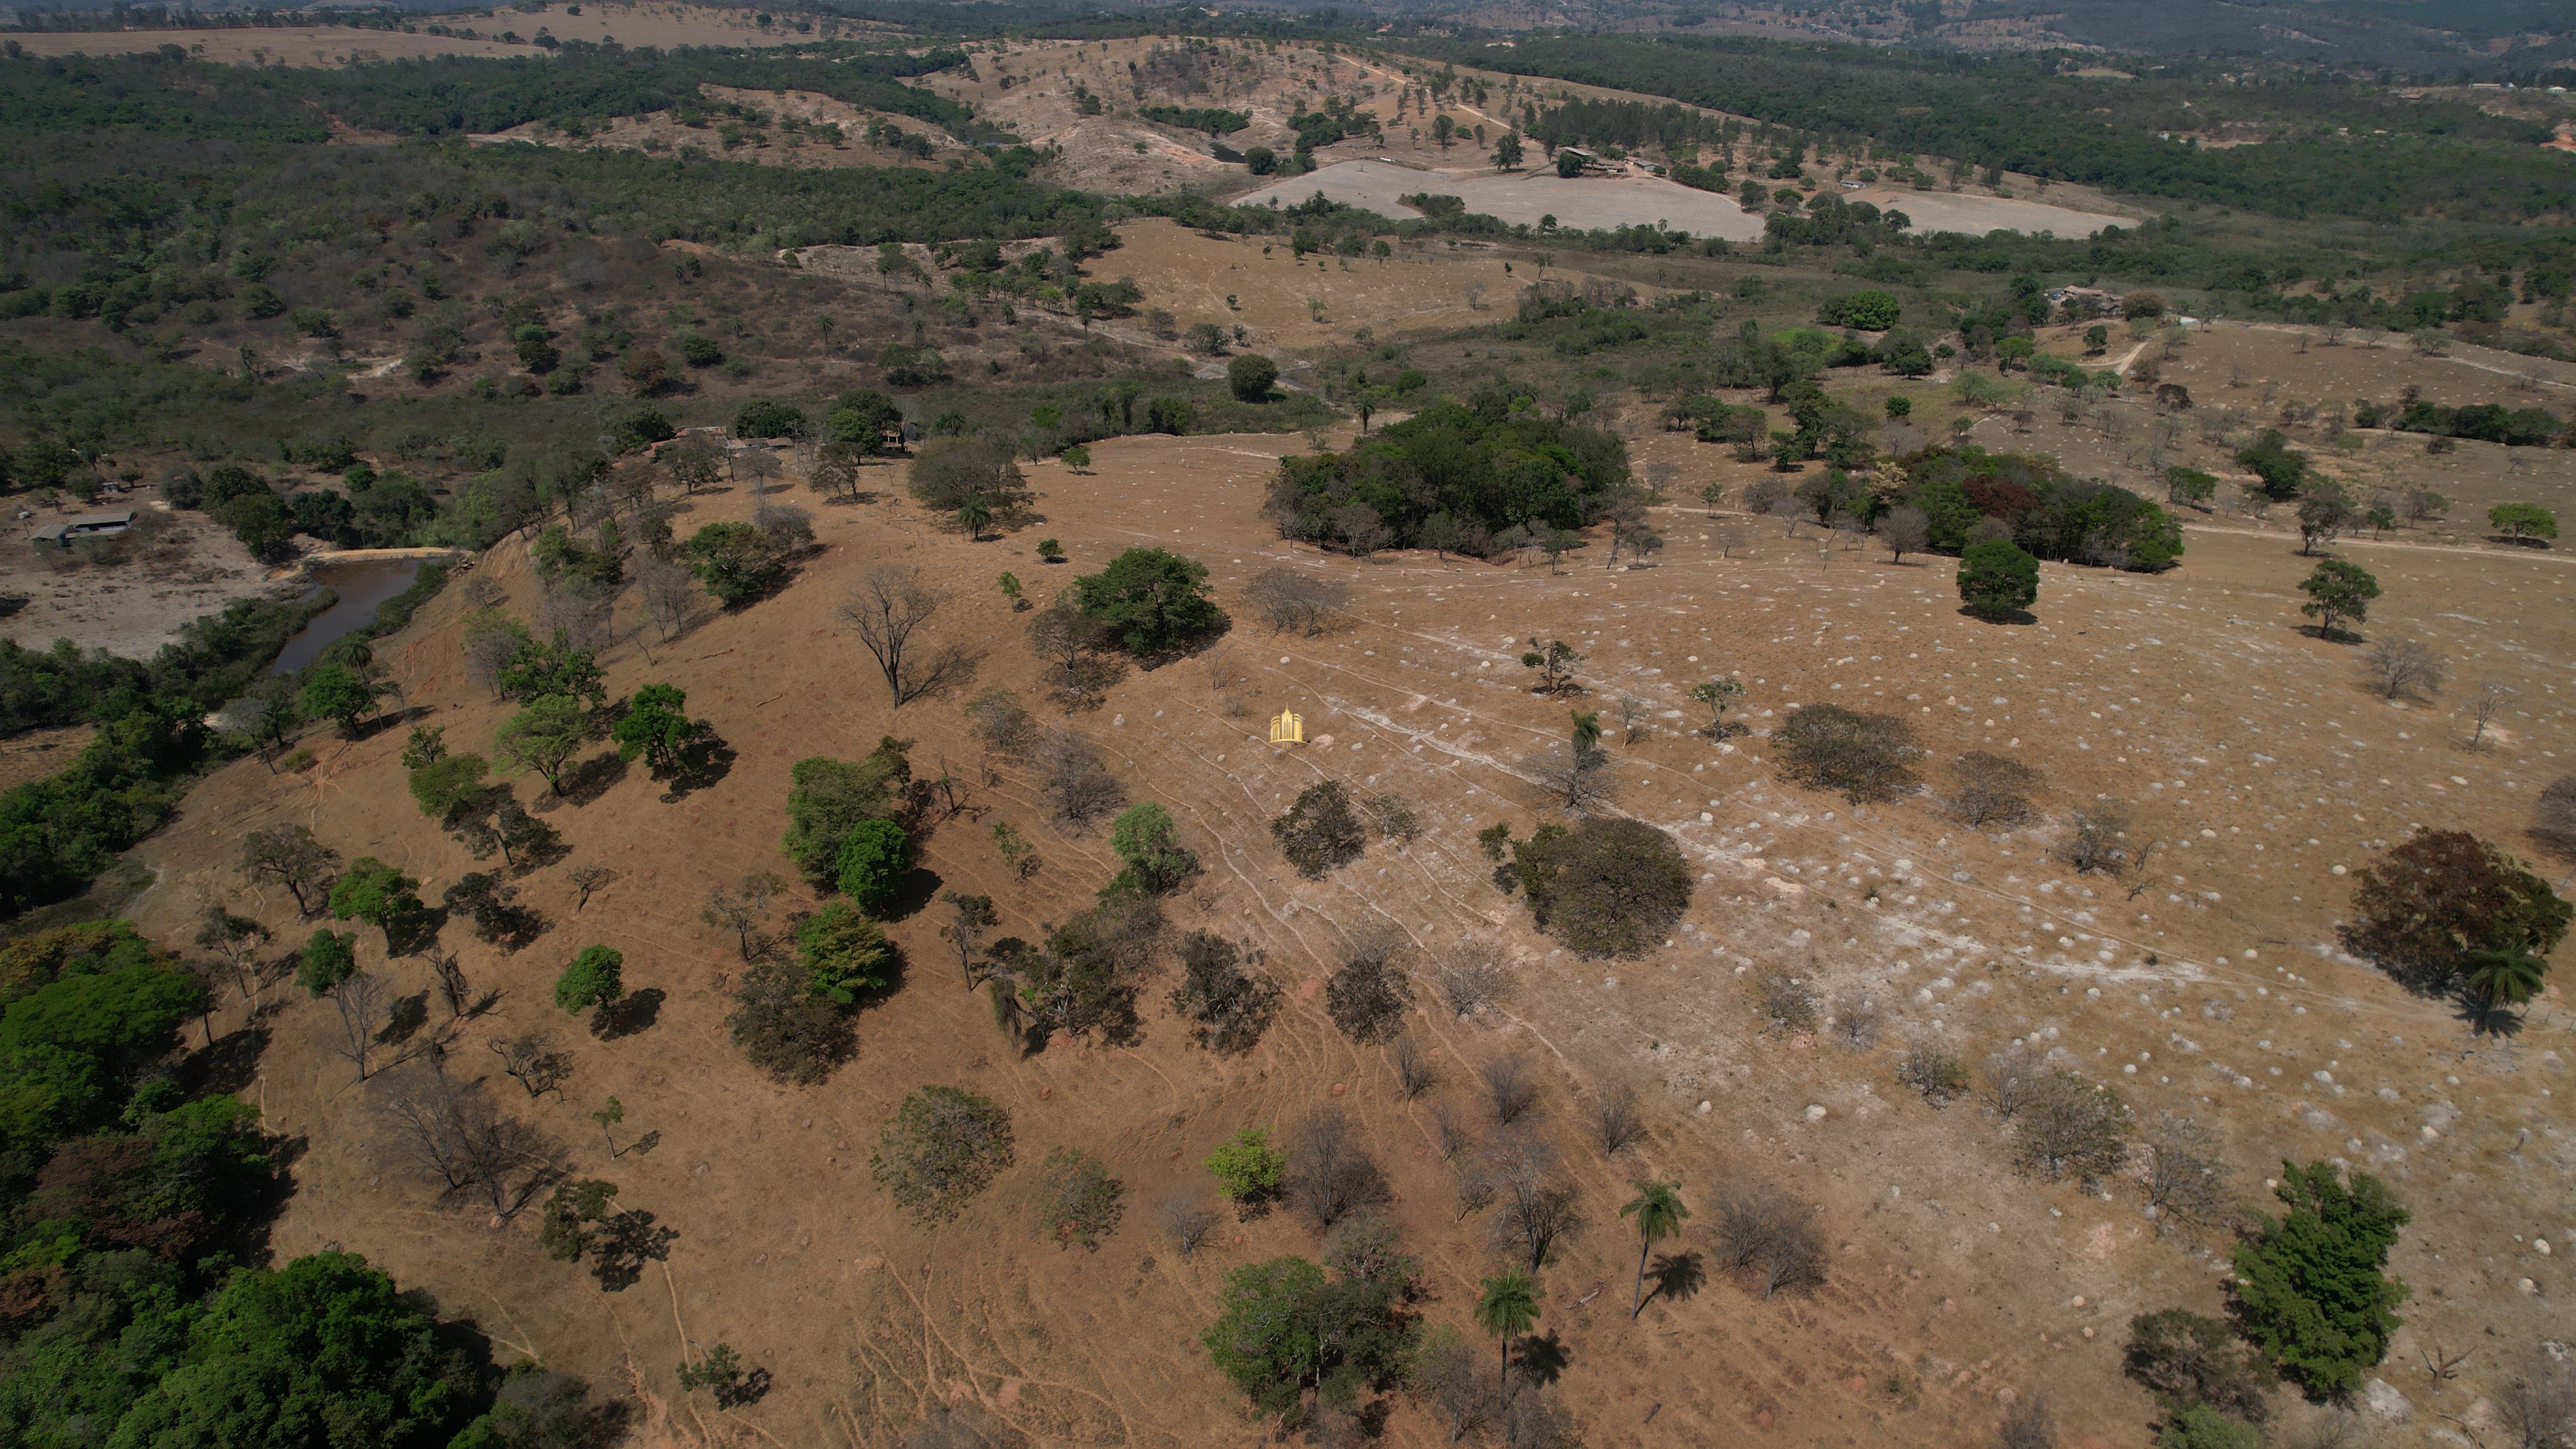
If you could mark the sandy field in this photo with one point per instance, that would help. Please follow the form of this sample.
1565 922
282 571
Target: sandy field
134 607
2207 982
1525 198
1641 200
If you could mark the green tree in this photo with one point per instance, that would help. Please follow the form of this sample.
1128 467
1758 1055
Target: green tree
1997 578
1506 1308
340 694
1717 694
289 855
1507 152
2283 469
1250 377
1077 458
322 1351
656 727
974 515
534 670
843 952
2499 979
2439 900
384 898
1247 1167
871 864
1658 1209
829 798
1009 584
1288 1331
1151 601
2338 591
596 977
327 959
2520 521
762 418
1146 839
544 737
2310 1290
737 562
443 786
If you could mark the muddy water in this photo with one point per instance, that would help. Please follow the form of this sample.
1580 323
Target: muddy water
361 587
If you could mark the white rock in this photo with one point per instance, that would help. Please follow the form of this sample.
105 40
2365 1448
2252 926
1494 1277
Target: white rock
1704 1109
2382 1399
1815 1113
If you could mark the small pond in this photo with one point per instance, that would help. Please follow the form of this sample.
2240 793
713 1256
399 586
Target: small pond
361 587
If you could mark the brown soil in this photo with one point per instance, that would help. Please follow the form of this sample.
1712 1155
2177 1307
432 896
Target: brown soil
38 753
2207 983
656 131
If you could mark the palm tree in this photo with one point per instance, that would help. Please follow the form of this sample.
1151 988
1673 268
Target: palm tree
1658 1210
1509 1307
2503 978
973 514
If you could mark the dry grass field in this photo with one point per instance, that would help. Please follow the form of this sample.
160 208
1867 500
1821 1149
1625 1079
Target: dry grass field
2206 982
662 26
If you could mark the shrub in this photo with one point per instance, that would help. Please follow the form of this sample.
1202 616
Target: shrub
1870 311
2184 1359
2309 1288
1247 1167
1249 377
870 865
943 1148
1366 996
1934 1072
2429 905
1996 577
1228 1007
1989 789
787 1029
2198 1426
1828 747
594 978
1608 887
1080 1202
1320 831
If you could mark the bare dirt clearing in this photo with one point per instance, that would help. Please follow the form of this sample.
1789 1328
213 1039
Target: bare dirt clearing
2206 982
134 606
1524 198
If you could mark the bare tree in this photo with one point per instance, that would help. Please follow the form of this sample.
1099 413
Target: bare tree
361 999
455 1133
1511 1086
532 1059
886 610
2539 1404
588 879
1414 1072
2483 708
1450 1131
1290 598
1795 1257
1786 1002
1540 1208
1476 975
2095 840
2013 1079
1991 789
2072 1128
670 594
2027 1425
2402 666
1856 1019
2553 817
579 610
1905 530
740 911
1617 1121
1187 1217
2186 1176
1576 777
1933 1071
1632 714
1328 1171
1076 777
